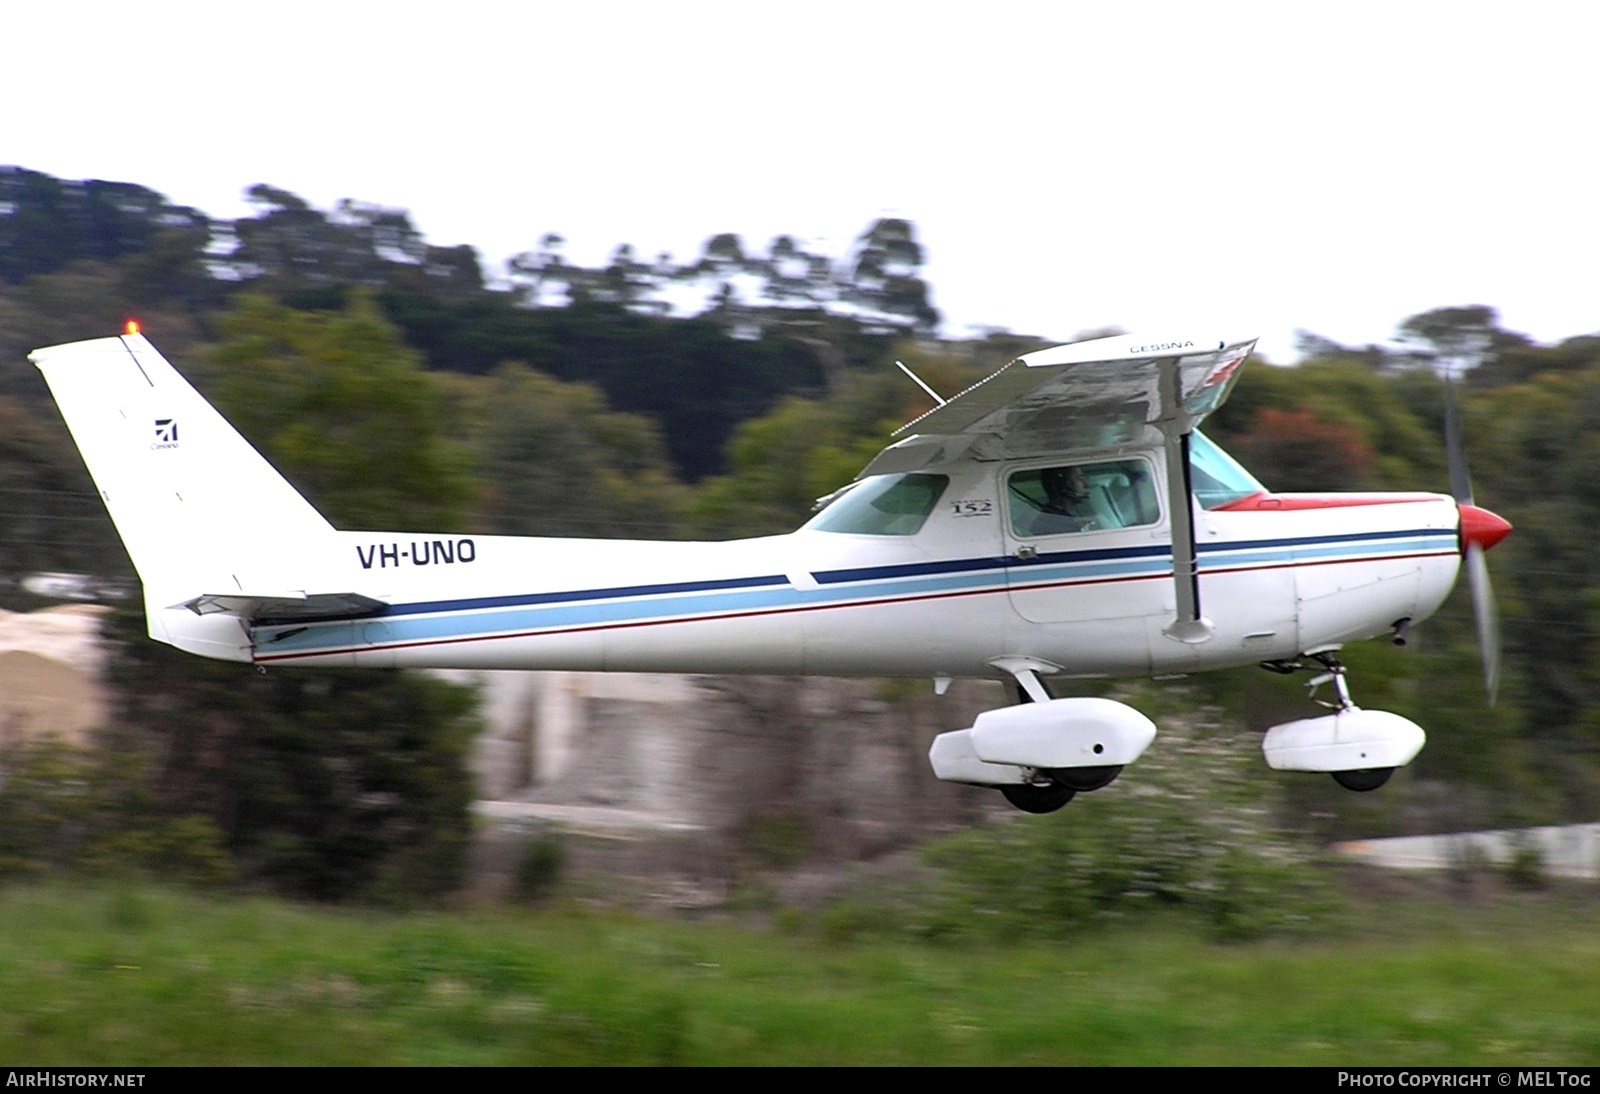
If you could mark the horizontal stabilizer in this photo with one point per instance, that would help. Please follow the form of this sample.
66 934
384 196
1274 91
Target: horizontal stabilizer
286 608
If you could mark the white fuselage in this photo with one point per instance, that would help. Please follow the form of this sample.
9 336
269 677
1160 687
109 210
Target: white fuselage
950 600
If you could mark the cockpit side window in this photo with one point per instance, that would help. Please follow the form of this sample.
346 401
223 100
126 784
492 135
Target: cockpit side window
1083 497
886 505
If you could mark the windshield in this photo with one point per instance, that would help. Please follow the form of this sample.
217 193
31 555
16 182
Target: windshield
1216 476
885 505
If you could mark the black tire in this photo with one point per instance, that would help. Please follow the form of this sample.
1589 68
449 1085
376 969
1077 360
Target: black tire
1084 779
1039 799
1363 780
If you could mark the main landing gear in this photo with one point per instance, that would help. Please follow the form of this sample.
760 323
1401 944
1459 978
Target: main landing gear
1054 787
1051 787
1041 752
1359 748
1367 778
1045 797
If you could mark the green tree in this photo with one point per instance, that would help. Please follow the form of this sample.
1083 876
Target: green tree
50 516
328 784
1298 450
1459 338
542 278
292 244
886 281
1535 452
780 464
1336 424
694 378
47 223
343 408
555 460
96 807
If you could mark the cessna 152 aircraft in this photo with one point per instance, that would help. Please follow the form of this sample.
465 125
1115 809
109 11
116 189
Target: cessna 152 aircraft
1061 518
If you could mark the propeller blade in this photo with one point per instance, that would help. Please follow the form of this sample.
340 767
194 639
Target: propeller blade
1454 447
1487 617
1480 531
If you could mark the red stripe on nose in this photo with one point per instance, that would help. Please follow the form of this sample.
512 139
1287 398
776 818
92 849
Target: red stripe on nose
1482 528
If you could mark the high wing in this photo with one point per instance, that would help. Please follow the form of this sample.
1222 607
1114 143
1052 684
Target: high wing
1098 394
1101 394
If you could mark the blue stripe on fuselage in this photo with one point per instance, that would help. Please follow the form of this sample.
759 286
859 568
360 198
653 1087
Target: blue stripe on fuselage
616 593
423 622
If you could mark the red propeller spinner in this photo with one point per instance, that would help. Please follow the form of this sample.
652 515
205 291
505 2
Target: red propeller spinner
1481 528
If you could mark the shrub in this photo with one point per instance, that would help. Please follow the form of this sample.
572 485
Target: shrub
63 806
328 784
539 870
1189 834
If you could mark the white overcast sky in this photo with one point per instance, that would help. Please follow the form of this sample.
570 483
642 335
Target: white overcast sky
1194 169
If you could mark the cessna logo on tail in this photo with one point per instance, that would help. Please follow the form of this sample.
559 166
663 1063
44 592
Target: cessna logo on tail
166 433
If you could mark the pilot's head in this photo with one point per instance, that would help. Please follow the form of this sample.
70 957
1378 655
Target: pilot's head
1064 483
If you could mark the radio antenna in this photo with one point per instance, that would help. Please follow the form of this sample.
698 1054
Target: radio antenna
918 381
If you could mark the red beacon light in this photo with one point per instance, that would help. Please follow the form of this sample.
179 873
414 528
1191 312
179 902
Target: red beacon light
131 327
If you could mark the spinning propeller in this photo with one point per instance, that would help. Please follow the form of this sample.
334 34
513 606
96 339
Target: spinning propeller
1480 530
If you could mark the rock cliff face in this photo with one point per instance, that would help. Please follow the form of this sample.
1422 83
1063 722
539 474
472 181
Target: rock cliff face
841 764
676 790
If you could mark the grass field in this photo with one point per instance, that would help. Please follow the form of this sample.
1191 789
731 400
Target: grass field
132 974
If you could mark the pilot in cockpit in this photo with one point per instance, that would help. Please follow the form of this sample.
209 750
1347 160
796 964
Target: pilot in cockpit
1066 507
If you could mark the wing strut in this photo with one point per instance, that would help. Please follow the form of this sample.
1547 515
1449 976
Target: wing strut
1189 626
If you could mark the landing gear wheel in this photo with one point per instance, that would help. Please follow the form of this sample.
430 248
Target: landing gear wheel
1367 778
1086 778
1039 799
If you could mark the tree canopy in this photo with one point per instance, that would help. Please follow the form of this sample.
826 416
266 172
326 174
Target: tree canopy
344 409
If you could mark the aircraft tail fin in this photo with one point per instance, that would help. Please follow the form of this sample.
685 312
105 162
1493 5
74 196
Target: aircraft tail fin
200 511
